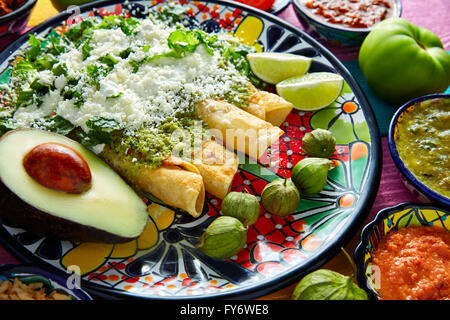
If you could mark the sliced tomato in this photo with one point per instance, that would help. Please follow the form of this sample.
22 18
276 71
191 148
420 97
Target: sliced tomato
260 4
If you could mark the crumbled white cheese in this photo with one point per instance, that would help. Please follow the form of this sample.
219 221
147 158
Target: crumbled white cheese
107 41
98 148
60 82
109 88
45 77
159 89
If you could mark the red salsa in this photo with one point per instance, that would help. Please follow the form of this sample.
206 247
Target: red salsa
8 6
414 264
351 13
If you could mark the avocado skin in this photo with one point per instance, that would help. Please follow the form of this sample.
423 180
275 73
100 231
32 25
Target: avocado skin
15 212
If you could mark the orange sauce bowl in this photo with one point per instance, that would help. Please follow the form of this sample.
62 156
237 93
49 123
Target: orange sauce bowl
404 253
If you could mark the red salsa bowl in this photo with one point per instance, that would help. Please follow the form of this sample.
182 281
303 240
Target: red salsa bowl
344 22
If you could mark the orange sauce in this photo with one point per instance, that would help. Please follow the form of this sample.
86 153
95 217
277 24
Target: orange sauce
414 264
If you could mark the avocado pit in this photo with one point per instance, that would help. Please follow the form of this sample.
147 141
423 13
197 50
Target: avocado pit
58 167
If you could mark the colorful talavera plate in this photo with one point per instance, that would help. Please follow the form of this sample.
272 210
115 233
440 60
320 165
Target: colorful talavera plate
163 262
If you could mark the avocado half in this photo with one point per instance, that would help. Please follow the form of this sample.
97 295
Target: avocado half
110 211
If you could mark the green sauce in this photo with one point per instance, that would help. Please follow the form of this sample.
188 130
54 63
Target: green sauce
240 96
423 143
177 136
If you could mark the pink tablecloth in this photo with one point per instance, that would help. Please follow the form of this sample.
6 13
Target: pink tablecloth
431 14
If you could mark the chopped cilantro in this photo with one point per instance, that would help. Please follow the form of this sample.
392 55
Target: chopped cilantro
55 123
236 54
127 25
125 53
35 48
86 49
21 69
109 60
79 33
44 63
74 95
60 69
115 96
25 98
39 88
54 46
99 133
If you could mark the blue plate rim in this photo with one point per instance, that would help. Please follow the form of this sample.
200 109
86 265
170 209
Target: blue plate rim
396 157
287 278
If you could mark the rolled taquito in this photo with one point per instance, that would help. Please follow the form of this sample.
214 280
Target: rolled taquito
275 108
217 165
238 129
176 182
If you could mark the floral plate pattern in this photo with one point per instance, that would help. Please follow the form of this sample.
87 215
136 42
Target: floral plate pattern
163 261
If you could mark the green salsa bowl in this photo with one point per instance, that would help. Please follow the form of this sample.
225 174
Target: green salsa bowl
419 145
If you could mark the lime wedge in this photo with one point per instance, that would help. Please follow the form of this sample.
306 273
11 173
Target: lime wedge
273 67
311 91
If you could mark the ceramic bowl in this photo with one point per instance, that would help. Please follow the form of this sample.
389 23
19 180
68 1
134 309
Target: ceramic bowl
53 281
16 21
403 215
414 185
332 33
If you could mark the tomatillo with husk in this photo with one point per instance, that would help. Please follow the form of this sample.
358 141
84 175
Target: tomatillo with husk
280 197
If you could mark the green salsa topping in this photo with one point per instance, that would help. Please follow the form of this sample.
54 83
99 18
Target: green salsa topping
423 143
176 136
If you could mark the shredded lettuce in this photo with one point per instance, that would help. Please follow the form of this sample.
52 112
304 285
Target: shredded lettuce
181 42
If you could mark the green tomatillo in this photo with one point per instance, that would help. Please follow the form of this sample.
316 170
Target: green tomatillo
324 284
401 61
280 197
319 143
310 174
225 237
241 205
